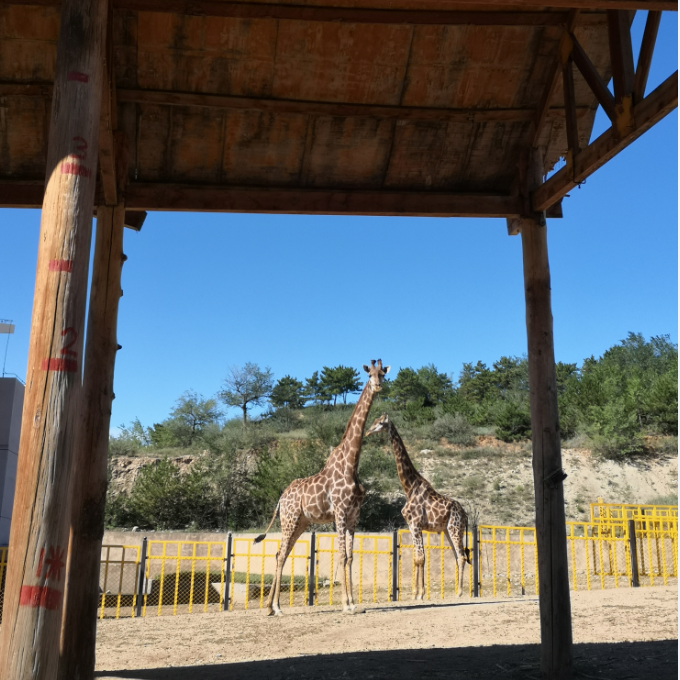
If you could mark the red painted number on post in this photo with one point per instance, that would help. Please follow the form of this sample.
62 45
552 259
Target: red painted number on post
54 562
81 146
77 76
66 351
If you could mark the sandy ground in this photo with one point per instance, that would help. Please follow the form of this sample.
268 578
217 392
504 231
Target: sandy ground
623 634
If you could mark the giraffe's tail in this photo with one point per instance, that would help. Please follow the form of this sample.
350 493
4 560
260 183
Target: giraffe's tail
262 536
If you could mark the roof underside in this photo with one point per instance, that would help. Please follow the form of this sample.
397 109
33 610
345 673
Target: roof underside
434 108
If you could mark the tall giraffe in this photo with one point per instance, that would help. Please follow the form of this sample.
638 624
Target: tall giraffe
425 509
334 494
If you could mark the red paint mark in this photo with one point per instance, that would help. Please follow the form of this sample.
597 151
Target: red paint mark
75 169
40 563
80 146
37 596
77 76
61 265
55 562
63 365
66 351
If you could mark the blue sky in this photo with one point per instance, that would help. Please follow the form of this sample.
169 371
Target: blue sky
203 292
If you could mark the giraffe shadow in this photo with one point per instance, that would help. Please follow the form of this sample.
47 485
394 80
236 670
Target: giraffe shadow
657 660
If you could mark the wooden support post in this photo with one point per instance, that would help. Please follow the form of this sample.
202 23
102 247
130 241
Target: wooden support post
553 573
91 455
32 613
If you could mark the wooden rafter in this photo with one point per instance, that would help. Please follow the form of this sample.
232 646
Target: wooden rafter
593 78
551 84
645 57
570 104
517 12
648 112
621 51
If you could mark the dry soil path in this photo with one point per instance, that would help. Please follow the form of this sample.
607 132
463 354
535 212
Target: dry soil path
618 634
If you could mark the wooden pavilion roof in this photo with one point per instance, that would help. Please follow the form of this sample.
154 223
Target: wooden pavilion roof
340 106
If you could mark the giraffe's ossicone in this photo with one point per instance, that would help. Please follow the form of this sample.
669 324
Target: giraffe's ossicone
425 509
334 494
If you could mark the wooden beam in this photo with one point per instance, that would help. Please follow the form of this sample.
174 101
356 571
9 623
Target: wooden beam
185 197
647 113
247 10
551 539
621 53
32 611
541 113
141 196
268 105
645 56
592 77
91 454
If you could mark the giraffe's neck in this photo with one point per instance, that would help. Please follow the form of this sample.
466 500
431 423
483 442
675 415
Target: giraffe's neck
408 475
349 449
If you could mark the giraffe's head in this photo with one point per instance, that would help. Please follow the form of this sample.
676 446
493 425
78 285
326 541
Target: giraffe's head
380 425
376 374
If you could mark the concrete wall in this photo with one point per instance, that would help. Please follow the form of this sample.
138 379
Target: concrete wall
11 403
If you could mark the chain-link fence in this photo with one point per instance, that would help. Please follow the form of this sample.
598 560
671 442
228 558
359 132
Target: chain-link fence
626 546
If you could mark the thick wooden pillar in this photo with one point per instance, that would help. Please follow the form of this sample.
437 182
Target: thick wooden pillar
551 535
90 459
32 612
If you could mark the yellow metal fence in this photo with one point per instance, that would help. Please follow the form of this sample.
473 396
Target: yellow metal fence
184 577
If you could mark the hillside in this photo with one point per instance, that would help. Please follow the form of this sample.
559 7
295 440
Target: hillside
492 478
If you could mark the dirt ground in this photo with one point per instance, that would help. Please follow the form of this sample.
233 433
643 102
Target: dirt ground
618 634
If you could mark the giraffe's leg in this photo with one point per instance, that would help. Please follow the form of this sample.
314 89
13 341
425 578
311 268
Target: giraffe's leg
340 525
287 542
419 561
349 548
455 530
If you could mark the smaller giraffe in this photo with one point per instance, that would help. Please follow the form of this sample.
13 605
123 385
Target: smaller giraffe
425 509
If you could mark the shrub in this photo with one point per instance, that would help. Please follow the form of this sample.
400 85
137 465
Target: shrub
454 428
512 422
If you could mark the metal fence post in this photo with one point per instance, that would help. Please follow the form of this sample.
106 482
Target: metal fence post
311 591
475 561
226 573
632 546
395 565
141 580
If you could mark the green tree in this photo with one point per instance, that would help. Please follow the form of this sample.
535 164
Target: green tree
246 387
164 498
130 439
288 392
340 381
315 391
187 421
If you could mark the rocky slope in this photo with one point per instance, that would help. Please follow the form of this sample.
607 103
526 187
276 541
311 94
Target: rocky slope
495 480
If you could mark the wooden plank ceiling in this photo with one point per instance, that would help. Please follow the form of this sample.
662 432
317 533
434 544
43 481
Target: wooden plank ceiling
285 102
